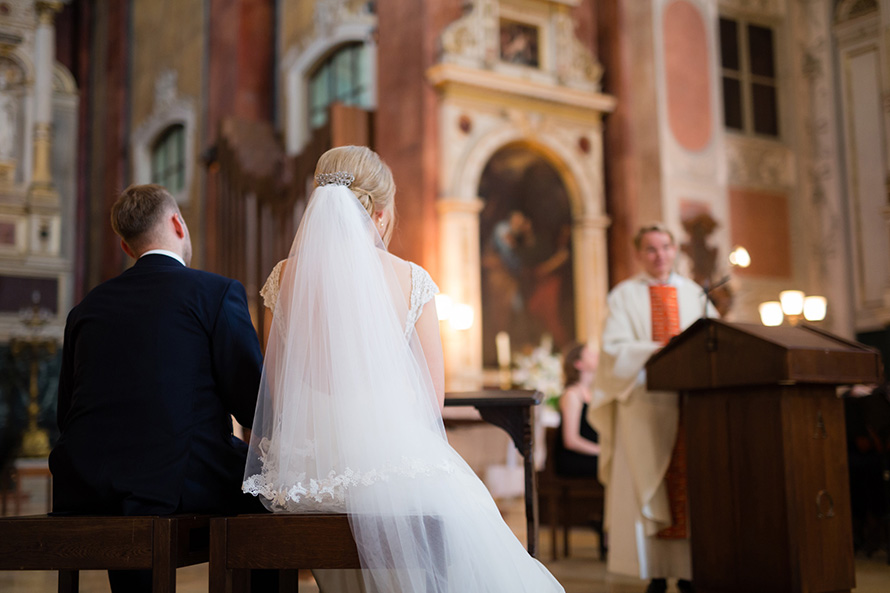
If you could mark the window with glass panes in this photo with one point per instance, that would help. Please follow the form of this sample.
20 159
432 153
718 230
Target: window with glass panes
168 159
750 95
342 77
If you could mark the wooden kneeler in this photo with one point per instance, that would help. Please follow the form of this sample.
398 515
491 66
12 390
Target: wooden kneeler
71 544
284 542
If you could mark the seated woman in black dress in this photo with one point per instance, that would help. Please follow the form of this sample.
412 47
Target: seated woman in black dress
577 450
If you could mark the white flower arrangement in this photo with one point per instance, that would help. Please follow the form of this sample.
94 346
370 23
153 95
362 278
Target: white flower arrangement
541 370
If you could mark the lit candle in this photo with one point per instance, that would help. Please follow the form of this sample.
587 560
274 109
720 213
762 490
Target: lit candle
502 340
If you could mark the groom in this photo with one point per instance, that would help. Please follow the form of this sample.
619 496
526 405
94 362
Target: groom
154 363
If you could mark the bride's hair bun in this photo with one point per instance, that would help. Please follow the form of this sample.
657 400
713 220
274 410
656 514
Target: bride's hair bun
371 179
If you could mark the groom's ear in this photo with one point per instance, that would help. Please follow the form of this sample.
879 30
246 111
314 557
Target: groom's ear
178 225
127 249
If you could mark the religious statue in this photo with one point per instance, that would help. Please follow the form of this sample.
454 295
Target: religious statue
10 76
704 259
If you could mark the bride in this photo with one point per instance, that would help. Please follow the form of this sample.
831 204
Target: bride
349 414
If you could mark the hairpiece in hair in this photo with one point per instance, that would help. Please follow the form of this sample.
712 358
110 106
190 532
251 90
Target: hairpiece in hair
338 178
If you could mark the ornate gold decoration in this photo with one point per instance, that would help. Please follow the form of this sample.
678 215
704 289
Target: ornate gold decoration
473 40
46 11
35 441
850 9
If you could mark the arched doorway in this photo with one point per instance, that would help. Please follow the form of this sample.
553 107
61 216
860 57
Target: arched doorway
525 237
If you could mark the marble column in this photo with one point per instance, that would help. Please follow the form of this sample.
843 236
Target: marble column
42 189
591 273
460 262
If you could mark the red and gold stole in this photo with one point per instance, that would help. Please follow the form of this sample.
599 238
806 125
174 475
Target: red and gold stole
666 325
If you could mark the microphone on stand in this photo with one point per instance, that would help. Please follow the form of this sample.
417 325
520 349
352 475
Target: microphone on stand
711 342
708 288
738 258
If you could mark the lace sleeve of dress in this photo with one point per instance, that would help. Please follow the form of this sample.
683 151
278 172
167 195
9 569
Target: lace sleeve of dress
422 290
270 289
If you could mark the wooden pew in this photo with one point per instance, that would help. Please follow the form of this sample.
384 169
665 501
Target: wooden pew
284 542
71 544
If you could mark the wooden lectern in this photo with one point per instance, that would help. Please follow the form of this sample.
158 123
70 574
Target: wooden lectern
769 494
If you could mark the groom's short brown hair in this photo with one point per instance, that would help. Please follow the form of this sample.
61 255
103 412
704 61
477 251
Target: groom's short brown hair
138 210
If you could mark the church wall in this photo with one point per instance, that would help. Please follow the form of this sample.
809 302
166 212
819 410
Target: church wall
165 36
815 137
765 202
108 164
407 117
240 83
666 149
861 32
168 41
689 125
678 160
760 221
633 174
295 23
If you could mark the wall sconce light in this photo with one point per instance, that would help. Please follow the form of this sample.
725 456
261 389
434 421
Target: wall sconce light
771 313
739 257
459 315
444 305
462 316
794 305
814 308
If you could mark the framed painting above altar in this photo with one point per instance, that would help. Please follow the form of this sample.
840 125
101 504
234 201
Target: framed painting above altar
526 242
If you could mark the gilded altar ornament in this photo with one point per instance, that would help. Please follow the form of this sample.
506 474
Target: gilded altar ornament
35 441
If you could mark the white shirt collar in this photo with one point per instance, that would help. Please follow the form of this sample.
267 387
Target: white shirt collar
164 252
651 280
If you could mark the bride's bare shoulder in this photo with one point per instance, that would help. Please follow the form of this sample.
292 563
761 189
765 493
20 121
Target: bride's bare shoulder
397 262
401 267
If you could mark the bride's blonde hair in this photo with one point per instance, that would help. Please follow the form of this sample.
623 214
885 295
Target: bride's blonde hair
373 184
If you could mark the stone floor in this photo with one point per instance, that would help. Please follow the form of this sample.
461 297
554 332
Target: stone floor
583 572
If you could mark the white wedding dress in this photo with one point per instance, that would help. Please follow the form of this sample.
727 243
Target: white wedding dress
347 421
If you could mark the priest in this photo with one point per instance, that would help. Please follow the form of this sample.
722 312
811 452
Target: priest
642 441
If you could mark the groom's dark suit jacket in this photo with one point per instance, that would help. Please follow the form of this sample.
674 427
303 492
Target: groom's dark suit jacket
154 362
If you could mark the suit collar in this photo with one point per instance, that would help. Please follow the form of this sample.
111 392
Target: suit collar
157 259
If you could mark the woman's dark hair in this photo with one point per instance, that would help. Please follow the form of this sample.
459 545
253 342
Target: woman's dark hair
570 372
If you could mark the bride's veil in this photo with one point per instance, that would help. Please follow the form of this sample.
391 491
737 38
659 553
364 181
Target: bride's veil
347 418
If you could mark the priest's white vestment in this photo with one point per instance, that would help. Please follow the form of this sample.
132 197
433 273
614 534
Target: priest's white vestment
637 431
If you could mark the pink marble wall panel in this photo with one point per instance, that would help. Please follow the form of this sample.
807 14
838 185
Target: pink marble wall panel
687 75
760 222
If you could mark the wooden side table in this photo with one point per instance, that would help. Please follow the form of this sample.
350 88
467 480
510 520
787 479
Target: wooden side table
512 412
